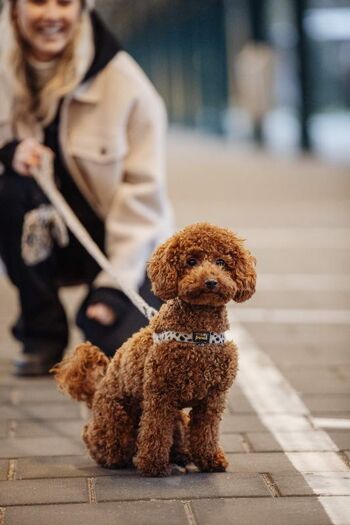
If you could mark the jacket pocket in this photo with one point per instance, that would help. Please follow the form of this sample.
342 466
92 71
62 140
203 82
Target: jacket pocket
100 164
99 150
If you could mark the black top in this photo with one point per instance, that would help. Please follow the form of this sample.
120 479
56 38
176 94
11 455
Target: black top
106 46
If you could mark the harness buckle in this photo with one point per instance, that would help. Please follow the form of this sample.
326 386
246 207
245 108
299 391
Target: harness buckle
201 338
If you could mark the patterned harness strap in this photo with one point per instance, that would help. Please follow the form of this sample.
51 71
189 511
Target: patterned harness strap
198 338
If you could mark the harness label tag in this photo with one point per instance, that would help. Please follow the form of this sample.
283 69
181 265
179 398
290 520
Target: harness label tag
201 337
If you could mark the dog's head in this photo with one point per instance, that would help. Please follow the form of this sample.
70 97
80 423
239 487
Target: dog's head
203 264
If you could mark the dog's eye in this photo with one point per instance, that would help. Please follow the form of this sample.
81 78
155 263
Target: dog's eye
192 261
220 262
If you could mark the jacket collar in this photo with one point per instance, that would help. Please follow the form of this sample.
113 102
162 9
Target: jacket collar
89 92
106 48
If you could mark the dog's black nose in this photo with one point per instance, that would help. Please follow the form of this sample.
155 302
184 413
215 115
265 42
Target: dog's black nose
211 284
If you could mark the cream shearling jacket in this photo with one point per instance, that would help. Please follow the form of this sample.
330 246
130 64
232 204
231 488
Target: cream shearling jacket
112 138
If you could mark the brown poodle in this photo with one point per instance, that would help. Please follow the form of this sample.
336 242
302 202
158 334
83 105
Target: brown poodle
181 359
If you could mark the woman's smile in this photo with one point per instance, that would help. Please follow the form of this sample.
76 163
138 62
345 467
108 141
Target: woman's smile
47 26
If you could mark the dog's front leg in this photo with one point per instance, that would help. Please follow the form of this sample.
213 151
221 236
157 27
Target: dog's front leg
155 435
206 452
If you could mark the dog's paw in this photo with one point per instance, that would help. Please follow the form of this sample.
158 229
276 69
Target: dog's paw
216 463
180 458
124 464
155 471
152 469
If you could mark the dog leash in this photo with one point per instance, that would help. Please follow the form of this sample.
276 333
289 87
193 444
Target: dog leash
44 176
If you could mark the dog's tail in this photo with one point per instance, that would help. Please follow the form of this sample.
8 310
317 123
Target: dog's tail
79 374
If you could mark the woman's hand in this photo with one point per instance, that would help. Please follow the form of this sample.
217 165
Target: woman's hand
101 313
28 156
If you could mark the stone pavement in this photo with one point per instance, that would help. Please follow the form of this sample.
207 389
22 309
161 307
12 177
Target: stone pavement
295 215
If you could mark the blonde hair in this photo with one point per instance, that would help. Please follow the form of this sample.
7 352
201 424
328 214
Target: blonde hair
70 70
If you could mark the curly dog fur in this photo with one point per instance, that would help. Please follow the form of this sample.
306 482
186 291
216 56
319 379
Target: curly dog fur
137 398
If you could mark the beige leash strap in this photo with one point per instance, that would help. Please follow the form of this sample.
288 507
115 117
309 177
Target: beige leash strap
45 178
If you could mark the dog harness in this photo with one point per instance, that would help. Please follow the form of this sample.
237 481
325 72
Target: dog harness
198 338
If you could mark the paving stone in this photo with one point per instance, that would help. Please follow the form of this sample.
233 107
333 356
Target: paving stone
26 492
42 395
332 415
3 469
238 403
295 336
5 369
59 467
263 442
310 299
292 484
5 394
329 403
340 437
271 511
260 462
324 380
280 462
279 422
270 260
27 383
46 428
188 486
41 411
55 446
121 513
241 423
232 442
3 429
307 355
317 462
17 395
235 390
344 371
322 483
306 441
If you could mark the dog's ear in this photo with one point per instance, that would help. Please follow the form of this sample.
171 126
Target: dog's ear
162 271
244 274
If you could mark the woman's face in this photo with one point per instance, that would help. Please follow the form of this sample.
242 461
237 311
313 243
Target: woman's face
47 26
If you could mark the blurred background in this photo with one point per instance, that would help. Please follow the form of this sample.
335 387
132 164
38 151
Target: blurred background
276 72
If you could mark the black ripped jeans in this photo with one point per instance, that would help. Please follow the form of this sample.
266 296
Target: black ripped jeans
42 325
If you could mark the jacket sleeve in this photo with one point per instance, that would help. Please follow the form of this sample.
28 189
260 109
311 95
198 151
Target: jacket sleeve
140 215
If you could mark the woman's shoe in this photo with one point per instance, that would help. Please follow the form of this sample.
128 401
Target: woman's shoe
29 365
